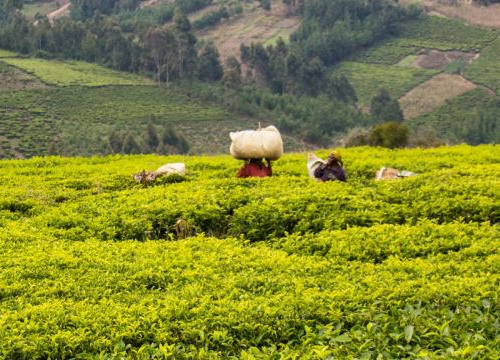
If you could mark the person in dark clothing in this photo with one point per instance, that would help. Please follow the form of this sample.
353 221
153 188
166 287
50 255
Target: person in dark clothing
332 169
255 167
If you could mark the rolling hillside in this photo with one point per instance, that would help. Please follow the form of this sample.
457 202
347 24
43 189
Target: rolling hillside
70 108
433 66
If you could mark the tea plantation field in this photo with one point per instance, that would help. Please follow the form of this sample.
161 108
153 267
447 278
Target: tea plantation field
96 266
383 65
71 108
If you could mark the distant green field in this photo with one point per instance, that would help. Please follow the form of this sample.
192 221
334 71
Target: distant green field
368 78
429 32
284 34
68 73
407 61
486 69
6 53
457 120
42 8
4 68
446 34
388 52
77 120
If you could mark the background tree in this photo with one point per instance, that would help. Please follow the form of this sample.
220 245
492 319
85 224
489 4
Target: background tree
115 142
183 145
130 145
265 4
338 87
68 36
384 108
209 66
485 126
162 47
232 73
42 35
8 8
169 136
186 52
390 134
151 138
312 76
174 142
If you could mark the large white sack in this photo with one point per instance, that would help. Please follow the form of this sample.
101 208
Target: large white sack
172 168
312 164
261 143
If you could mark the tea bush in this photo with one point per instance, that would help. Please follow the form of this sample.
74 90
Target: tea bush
95 265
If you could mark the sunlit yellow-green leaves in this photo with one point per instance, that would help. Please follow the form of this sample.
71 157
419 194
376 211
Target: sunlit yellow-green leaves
94 265
65 73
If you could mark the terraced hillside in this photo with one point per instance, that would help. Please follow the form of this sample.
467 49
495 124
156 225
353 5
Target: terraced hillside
430 67
210 266
433 64
71 108
253 25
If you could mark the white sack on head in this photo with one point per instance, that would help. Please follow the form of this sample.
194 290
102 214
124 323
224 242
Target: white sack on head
312 164
258 144
172 168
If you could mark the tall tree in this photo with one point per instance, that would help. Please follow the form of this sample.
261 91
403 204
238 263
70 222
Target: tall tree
209 66
390 134
186 52
130 145
152 140
9 8
384 108
42 34
162 46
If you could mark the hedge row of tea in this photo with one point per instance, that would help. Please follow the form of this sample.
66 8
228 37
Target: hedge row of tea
78 120
429 32
94 265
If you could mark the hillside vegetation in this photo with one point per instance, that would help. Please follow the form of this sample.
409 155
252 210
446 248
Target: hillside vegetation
417 37
78 120
213 266
66 73
319 84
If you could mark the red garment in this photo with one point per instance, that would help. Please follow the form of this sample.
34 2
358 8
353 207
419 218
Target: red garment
254 169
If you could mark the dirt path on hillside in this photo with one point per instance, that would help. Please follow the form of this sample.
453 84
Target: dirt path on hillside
62 11
148 3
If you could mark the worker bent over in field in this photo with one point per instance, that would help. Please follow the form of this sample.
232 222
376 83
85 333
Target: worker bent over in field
332 169
255 168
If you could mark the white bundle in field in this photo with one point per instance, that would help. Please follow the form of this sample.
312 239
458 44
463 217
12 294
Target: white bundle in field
389 173
172 168
256 144
312 164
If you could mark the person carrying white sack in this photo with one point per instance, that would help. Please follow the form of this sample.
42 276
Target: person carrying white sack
253 146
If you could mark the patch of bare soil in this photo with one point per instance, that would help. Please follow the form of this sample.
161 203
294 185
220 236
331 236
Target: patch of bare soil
254 25
148 3
438 60
433 93
15 79
62 11
488 16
